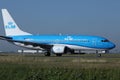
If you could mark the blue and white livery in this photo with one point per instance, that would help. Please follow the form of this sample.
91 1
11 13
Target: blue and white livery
57 44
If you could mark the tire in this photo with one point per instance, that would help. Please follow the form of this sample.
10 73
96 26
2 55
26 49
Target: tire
58 54
98 55
47 54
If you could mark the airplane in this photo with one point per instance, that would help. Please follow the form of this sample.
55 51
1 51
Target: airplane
57 44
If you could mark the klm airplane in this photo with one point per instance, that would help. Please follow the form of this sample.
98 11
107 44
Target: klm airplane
57 44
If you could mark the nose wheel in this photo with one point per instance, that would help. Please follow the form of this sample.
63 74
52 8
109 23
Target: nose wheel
98 54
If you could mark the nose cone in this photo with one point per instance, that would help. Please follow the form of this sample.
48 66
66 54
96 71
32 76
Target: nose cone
111 45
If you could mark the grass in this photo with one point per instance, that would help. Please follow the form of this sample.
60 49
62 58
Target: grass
71 61
72 67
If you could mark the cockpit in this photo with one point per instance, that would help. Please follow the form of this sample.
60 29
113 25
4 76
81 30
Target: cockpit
105 40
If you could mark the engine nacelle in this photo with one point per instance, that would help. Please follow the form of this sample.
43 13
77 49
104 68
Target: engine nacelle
59 49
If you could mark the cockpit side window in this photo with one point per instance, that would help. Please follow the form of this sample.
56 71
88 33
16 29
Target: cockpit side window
105 40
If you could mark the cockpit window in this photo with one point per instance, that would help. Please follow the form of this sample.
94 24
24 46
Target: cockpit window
105 40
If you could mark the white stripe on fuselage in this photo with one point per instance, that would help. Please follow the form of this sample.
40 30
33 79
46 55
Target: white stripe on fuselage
27 46
75 47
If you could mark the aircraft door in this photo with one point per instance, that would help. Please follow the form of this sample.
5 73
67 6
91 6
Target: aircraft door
94 42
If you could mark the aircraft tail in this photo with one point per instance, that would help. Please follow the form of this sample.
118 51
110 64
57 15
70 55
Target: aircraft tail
11 28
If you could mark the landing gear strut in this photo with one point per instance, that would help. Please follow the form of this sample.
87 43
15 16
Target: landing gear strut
98 54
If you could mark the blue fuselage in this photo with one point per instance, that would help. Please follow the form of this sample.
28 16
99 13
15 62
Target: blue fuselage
94 42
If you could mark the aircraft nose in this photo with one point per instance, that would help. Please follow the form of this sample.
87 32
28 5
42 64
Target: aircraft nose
111 45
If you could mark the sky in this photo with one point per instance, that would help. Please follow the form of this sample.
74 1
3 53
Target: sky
84 17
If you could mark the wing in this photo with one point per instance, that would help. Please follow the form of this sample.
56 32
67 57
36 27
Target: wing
34 44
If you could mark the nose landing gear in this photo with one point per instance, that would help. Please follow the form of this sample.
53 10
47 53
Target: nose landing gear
99 53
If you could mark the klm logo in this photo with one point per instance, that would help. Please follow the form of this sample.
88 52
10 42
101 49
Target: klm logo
10 25
68 38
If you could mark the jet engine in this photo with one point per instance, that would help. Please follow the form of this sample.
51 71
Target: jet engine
57 49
